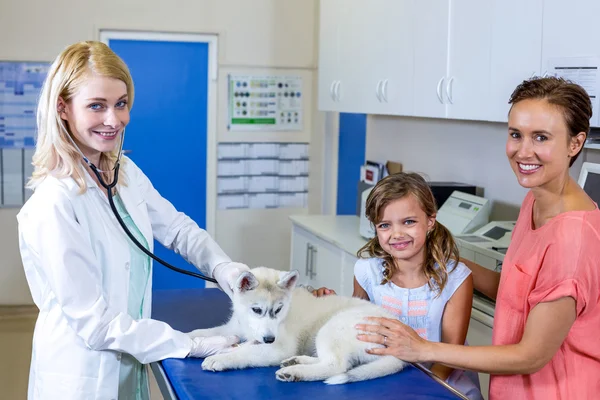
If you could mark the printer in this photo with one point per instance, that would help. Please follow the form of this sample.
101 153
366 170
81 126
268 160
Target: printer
487 245
464 213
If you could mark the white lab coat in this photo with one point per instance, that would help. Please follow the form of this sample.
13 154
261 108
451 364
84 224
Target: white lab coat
76 259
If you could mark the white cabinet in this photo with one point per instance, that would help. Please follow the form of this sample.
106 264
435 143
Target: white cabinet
321 263
430 57
358 73
516 50
318 262
480 334
457 59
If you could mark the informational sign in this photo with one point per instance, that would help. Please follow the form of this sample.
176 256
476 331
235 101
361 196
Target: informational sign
585 71
20 84
272 103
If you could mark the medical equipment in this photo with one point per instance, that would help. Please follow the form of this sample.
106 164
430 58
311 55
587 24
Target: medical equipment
488 245
365 227
109 187
589 180
463 212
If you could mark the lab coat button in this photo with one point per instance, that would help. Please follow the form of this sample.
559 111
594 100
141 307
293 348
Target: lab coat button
127 265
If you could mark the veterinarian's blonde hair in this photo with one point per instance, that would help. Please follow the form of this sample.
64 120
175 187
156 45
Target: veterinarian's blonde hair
54 152
440 247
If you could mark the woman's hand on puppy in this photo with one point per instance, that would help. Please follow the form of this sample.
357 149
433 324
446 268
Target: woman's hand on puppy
399 340
320 292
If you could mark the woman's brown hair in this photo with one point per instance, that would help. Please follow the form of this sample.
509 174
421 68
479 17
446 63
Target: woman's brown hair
569 97
440 247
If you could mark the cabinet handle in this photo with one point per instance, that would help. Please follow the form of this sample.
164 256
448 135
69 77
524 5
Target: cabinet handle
312 262
331 90
449 90
378 91
439 90
337 91
308 252
545 74
384 90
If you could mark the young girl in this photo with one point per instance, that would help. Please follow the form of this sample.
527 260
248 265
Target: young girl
412 269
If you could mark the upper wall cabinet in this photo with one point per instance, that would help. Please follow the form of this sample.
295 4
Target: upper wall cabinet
457 59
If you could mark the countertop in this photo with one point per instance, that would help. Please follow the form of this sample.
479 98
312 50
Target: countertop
340 230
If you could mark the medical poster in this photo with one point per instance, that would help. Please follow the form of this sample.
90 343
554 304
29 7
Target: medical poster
262 175
267 103
585 72
20 85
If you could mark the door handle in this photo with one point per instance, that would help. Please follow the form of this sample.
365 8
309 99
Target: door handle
332 91
312 262
439 90
378 91
308 252
384 90
449 90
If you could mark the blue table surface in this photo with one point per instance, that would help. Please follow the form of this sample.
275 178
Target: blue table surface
189 309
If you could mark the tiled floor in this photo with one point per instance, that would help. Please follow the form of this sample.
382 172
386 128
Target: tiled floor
16 331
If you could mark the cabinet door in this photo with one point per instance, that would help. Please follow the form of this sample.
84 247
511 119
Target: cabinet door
571 31
430 57
325 265
480 334
516 50
330 20
391 76
467 86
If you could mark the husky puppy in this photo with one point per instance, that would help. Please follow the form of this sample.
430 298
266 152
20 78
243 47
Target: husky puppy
310 338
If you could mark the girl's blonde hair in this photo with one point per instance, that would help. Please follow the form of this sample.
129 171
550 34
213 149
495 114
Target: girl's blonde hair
440 247
54 152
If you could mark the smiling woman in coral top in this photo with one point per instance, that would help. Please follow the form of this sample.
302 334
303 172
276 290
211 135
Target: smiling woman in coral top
545 340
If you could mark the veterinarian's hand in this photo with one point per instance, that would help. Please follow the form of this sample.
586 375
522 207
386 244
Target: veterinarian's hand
226 275
398 339
208 346
323 292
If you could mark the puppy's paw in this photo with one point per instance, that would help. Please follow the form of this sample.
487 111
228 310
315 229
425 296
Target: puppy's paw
219 362
290 361
286 375
338 379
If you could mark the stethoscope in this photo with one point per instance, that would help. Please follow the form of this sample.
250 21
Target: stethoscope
109 187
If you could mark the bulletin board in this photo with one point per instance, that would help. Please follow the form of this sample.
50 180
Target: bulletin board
262 175
20 85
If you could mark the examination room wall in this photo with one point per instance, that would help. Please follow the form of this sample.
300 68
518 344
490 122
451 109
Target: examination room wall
251 34
471 152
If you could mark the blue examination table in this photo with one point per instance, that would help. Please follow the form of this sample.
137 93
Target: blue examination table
190 309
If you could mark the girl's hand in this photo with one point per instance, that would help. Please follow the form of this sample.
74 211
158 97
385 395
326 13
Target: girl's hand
399 340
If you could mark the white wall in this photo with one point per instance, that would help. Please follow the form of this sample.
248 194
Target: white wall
256 33
450 150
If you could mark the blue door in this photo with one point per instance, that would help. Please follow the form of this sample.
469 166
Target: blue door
167 132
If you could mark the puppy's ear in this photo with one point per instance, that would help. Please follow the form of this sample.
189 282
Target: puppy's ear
246 281
288 280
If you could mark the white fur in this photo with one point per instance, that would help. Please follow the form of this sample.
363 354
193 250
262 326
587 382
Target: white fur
315 337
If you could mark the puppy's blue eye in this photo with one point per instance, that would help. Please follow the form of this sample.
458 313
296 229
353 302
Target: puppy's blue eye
257 310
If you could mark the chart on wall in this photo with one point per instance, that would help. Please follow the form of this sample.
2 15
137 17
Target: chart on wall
262 175
20 85
265 102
